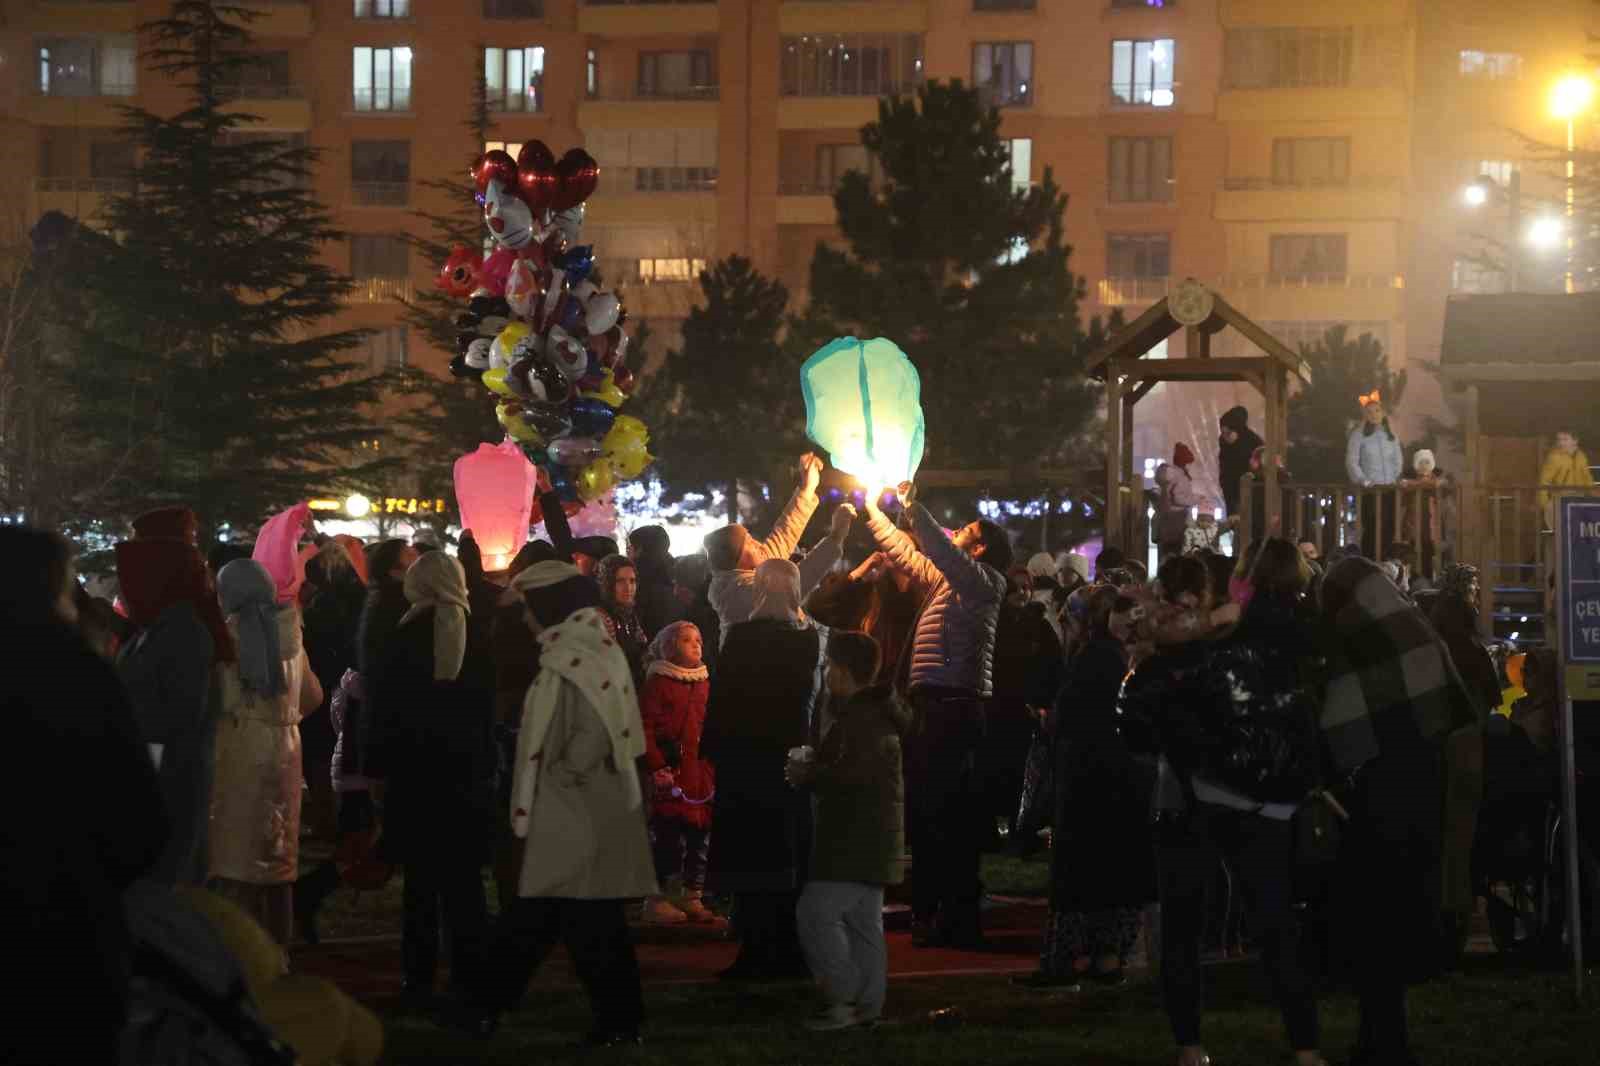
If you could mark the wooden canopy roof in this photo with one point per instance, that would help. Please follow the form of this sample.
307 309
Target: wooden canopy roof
1139 337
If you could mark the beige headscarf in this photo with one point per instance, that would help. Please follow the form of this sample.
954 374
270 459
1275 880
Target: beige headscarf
777 591
436 580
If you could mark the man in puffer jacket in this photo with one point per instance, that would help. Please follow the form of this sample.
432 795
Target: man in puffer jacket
952 657
734 554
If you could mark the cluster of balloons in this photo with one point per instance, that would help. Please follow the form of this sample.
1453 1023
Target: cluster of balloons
545 341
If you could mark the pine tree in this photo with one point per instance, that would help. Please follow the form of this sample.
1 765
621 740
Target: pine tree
202 338
1322 412
727 406
968 274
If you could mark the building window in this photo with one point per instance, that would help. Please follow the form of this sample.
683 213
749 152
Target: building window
591 75
382 79
1020 151
1138 255
856 64
1141 170
1003 71
1475 276
386 350
1497 170
378 256
670 269
380 173
1309 257
513 9
1141 72
1311 161
111 163
383 9
677 75
513 77
88 66
264 77
510 148
835 160
674 179
1490 66
1004 5
1281 57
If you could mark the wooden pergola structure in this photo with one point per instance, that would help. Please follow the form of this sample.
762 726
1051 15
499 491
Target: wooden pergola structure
1129 377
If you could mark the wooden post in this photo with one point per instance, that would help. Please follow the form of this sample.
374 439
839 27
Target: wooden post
1275 391
1470 516
1114 456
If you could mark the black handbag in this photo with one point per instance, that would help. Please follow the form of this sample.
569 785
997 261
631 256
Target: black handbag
1037 806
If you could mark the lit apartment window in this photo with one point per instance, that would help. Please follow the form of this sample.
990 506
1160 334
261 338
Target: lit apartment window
591 74
1311 161
378 256
513 9
1141 72
1498 170
1475 276
674 179
385 349
380 173
510 148
683 75
382 79
514 77
1004 71
670 269
383 9
1308 257
1138 255
1140 169
836 160
1490 66
1282 57
87 66
855 64
1020 151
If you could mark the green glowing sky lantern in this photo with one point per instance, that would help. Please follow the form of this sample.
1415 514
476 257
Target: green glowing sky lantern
864 405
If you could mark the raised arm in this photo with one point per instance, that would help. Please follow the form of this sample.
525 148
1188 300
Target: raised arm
791 524
899 548
970 578
828 551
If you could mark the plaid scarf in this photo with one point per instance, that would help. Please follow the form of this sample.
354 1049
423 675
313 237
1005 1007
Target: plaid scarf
1385 661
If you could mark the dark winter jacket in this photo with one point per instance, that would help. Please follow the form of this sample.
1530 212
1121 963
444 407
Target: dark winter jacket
440 756
1456 626
879 609
657 602
761 706
1233 463
859 787
674 714
953 644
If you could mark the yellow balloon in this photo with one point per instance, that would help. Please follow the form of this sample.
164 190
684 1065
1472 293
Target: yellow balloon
608 393
517 426
631 465
595 479
513 333
495 381
624 429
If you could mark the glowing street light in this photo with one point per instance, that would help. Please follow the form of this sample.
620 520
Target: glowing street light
1546 233
1569 98
357 506
1475 194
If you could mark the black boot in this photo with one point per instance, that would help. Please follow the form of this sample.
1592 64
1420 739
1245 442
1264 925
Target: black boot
309 893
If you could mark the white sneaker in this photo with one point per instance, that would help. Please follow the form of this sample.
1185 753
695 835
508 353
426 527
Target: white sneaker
659 912
834 1018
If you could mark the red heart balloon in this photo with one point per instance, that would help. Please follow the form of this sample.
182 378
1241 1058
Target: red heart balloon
494 165
622 377
536 174
578 175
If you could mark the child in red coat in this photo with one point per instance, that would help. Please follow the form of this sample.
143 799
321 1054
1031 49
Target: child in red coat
673 705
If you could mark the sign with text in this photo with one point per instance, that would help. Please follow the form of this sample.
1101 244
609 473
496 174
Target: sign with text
1578 594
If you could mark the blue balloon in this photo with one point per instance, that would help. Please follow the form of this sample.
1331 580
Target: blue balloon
592 418
577 262
561 482
570 310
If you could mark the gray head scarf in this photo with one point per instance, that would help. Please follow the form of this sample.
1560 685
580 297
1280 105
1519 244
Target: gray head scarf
246 590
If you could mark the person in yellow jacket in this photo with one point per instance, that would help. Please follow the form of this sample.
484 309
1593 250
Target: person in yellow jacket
1565 465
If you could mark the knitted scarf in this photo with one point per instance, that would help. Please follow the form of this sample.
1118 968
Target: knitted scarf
1385 662
578 652
663 668
437 581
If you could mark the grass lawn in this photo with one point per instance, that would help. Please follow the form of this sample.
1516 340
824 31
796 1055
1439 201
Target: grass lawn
1488 1017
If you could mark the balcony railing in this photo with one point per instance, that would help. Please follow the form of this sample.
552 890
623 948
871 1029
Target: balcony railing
647 180
1340 280
380 193
1122 292
75 90
262 91
619 3
380 291
381 101
513 9
1274 185
89 185
1005 5
1155 5
654 93
807 188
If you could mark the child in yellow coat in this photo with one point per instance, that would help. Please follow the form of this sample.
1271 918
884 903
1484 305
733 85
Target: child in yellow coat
1565 465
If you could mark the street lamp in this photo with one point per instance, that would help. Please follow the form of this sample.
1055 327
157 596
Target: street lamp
1547 233
1569 98
1480 192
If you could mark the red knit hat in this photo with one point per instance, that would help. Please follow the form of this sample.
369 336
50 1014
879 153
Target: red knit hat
174 523
1181 455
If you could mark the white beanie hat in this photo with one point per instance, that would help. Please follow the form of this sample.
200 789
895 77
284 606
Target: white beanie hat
1423 453
1043 565
1078 564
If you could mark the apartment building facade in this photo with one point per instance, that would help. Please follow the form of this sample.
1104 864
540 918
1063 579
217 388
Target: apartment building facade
1305 159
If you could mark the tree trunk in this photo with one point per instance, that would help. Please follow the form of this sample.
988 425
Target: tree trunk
733 500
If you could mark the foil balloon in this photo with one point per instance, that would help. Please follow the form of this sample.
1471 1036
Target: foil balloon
595 480
626 426
459 368
569 224
601 311
574 451
476 355
522 287
623 378
544 382
561 482
495 272
565 351
504 343
536 174
517 427
631 463
497 381
494 165
600 350
577 174
550 419
510 220
577 261
459 275
609 393
592 418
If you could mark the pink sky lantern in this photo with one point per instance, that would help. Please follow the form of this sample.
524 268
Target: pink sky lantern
495 486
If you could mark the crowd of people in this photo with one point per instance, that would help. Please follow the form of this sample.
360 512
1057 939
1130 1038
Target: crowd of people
624 735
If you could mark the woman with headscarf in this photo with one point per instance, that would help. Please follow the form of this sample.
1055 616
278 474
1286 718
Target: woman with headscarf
1393 698
764 701
619 592
576 800
380 617
436 726
255 804
167 671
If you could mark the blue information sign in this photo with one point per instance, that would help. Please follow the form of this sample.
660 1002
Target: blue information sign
1579 590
